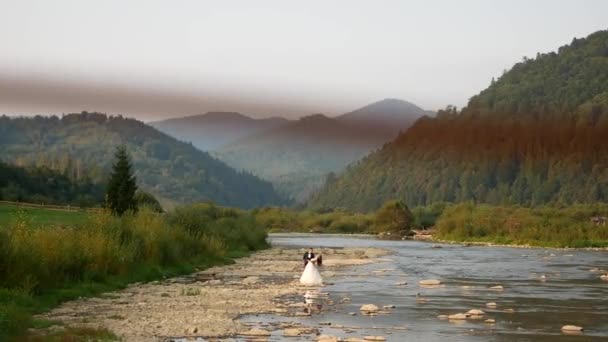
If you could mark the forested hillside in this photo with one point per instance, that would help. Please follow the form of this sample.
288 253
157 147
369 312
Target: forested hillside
537 135
45 186
297 157
82 145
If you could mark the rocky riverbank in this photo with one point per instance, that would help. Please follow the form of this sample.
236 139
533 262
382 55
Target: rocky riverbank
206 303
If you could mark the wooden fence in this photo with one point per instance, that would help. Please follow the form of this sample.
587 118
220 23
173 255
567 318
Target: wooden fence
51 206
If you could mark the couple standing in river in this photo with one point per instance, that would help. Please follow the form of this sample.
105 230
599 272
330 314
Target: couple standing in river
311 275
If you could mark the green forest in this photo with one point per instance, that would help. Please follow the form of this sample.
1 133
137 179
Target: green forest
80 146
45 186
536 136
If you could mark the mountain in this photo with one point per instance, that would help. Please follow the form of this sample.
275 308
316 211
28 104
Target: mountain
536 135
84 145
214 129
385 117
297 157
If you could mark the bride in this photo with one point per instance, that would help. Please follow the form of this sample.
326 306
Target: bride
311 276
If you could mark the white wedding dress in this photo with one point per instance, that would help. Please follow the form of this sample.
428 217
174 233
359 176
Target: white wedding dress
311 276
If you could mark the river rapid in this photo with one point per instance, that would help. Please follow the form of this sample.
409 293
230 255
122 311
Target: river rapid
544 289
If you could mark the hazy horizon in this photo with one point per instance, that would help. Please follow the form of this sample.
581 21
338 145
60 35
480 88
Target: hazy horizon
154 60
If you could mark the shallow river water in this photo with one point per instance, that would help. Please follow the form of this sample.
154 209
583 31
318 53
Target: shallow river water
544 289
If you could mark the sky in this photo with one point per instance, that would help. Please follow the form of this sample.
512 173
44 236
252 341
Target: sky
156 59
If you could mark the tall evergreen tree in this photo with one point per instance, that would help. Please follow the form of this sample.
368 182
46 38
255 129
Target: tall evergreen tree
120 195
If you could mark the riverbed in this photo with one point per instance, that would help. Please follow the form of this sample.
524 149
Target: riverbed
543 289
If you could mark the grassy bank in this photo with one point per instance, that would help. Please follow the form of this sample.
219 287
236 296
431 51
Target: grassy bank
11 214
542 226
547 226
42 267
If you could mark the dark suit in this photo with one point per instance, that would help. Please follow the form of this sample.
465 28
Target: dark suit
307 257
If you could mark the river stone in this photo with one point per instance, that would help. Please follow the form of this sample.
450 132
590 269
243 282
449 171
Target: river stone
491 305
458 316
251 280
374 338
572 328
369 308
604 277
490 321
327 338
476 312
292 332
430 282
443 317
497 287
302 314
353 339
386 307
256 332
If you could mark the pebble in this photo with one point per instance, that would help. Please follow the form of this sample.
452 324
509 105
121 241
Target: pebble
572 328
374 338
490 321
251 280
491 305
430 282
302 314
369 308
292 332
497 287
604 277
256 332
476 312
327 338
458 316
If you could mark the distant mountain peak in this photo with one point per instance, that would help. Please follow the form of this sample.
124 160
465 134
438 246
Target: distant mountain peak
225 115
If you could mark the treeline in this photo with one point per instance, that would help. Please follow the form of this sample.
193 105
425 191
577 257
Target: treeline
544 226
82 146
393 216
536 136
576 226
42 185
43 267
573 80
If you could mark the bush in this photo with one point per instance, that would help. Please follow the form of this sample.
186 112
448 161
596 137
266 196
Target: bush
38 261
543 226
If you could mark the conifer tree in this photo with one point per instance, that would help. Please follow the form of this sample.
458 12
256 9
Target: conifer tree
120 194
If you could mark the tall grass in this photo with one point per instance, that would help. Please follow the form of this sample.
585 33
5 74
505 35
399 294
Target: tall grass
36 262
543 226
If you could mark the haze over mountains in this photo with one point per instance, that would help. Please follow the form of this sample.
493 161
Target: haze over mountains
215 129
83 145
537 135
296 156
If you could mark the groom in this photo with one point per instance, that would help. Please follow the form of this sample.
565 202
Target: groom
308 256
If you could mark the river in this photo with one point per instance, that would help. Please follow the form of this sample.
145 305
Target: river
544 289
